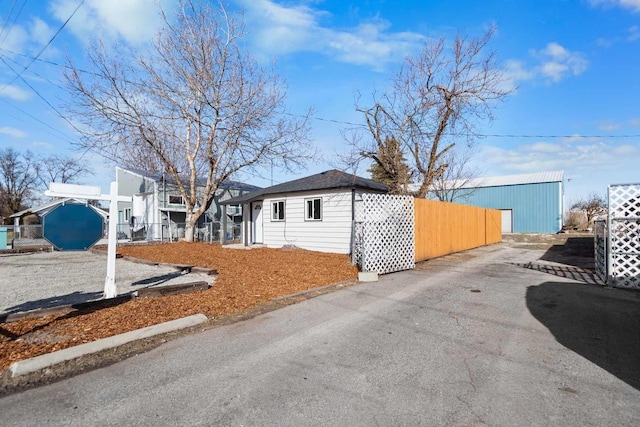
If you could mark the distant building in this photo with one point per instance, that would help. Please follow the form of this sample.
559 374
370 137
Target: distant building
158 211
530 203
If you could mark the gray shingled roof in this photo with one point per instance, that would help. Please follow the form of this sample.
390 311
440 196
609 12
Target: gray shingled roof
225 185
329 180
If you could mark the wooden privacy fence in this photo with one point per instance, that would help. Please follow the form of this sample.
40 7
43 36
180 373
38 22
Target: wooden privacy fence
443 228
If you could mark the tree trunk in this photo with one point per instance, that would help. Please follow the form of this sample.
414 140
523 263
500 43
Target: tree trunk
190 226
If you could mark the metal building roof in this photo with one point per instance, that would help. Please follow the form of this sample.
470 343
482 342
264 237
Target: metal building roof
529 178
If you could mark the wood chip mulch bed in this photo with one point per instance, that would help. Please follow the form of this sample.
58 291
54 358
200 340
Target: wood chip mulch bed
245 279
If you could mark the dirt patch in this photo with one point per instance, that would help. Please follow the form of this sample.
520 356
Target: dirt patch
246 279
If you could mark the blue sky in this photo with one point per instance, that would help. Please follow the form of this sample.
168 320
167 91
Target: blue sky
576 64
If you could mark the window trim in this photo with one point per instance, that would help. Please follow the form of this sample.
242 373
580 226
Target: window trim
182 202
282 212
308 215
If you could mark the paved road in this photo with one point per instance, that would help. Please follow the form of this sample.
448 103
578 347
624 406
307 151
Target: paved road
475 339
30 281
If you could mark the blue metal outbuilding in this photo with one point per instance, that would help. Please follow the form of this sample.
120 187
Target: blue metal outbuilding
530 203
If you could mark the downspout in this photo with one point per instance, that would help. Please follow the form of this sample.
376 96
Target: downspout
353 222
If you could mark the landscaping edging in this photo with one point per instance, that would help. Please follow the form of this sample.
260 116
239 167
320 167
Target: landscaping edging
46 360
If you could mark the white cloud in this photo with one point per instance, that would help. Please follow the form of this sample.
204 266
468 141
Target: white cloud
625 150
136 21
16 133
280 30
576 153
29 37
609 126
634 5
15 93
558 62
552 64
630 35
42 145
635 123
40 31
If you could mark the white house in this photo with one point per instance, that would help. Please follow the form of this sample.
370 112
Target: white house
158 211
314 213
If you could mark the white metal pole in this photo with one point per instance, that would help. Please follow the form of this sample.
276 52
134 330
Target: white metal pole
110 289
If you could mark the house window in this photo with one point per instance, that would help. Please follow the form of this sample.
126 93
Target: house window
277 210
127 214
176 199
313 209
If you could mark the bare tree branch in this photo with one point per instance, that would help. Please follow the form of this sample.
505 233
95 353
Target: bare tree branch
436 100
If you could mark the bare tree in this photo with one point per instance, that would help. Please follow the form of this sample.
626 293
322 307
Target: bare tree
17 181
456 181
57 168
195 101
436 99
593 205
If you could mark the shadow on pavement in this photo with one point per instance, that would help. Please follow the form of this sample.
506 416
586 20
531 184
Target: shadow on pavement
68 299
158 280
576 251
599 324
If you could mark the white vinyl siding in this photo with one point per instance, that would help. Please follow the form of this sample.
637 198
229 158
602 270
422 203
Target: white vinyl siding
332 234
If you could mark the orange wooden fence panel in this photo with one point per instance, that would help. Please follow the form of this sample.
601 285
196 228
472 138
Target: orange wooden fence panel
443 228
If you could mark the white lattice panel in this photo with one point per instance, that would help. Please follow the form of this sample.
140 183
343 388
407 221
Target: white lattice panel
624 235
388 242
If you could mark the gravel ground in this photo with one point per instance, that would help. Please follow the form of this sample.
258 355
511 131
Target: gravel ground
31 281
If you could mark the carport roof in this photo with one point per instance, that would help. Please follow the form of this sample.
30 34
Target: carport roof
328 180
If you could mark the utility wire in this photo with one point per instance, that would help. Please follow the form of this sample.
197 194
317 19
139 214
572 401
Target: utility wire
62 136
342 122
6 22
360 125
19 75
2 58
41 97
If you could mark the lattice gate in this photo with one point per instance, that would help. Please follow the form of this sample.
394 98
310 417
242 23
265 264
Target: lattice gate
383 233
623 257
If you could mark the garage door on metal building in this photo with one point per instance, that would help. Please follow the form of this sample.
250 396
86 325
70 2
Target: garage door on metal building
507 220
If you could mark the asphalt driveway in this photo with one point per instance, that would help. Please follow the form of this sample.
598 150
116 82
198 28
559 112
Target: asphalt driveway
479 338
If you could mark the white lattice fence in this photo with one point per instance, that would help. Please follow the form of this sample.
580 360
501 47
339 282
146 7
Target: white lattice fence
624 236
383 233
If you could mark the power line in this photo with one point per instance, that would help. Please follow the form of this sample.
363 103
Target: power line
63 135
45 46
494 135
2 58
41 97
6 22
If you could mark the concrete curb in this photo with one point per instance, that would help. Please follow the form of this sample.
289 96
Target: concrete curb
39 362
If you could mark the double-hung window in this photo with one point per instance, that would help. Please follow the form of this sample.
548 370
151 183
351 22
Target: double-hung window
277 210
313 209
